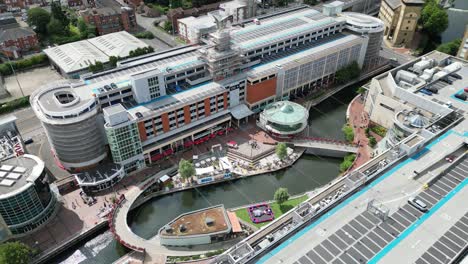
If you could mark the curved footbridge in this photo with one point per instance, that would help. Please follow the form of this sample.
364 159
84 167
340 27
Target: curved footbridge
325 147
154 251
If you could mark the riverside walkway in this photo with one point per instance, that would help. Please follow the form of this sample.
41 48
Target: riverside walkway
154 251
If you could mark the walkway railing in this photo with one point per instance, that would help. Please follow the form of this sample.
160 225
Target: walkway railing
325 140
115 208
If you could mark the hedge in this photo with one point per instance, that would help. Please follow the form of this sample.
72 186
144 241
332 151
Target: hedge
5 68
14 105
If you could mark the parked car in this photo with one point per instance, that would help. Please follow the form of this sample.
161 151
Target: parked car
418 204
450 158
28 141
425 91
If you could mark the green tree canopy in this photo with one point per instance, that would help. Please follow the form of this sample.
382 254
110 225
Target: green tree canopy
186 169
347 73
281 195
96 67
348 132
434 18
38 19
15 253
55 27
113 61
450 47
281 150
57 13
167 26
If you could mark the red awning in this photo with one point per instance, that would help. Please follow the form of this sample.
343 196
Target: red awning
188 144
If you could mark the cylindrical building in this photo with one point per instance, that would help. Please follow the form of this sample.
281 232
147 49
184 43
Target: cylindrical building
283 118
26 200
371 27
72 125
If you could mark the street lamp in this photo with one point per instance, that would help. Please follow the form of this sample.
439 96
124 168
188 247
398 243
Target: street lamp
13 70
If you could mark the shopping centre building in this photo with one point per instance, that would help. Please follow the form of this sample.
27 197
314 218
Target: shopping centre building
26 200
170 100
423 95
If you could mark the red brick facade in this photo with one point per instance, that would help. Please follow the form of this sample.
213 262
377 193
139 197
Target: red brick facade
260 91
107 20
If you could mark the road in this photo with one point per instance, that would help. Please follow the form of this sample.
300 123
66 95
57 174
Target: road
29 126
394 56
162 40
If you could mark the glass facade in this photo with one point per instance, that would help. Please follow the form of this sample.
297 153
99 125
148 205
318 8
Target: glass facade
30 208
124 143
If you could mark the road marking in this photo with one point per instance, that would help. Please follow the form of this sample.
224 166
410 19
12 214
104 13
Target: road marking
416 244
418 222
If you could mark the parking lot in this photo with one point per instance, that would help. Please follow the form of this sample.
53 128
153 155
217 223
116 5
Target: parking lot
363 237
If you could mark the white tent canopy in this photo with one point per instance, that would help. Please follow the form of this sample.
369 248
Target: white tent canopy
241 111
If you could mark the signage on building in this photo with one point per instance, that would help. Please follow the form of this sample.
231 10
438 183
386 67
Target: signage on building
17 146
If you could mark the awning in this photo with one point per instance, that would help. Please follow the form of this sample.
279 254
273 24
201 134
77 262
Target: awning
240 111
164 178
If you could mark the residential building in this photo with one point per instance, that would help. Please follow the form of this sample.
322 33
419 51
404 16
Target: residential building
73 59
111 19
401 19
463 50
14 39
189 94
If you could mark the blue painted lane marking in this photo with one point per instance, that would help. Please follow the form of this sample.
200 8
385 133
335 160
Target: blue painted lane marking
283 245
416 224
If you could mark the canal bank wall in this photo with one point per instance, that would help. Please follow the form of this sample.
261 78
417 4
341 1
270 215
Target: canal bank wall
101 226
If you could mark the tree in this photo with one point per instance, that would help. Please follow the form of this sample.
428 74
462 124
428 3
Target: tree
60 16
38 19
96 67
347 73
82 27
281 196
113 60
450 47
372 141
15 253
281 150
55 27
167 26
186 169
348 132
347 162
310 2
434 19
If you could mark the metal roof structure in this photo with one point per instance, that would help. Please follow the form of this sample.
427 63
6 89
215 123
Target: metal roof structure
117 43
285 113
273 30
76 56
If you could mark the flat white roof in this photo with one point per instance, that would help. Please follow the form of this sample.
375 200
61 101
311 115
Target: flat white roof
117 44
76 56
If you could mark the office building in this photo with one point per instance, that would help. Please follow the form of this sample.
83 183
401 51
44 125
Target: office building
187 95
401 20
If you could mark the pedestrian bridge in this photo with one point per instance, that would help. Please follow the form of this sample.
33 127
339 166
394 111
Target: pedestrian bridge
325 147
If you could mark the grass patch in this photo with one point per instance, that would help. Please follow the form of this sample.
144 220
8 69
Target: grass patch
277 210
379 130
347 162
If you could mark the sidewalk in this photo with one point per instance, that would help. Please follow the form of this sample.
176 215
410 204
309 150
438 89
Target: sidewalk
359 121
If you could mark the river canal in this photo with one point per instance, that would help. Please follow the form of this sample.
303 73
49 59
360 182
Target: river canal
308 173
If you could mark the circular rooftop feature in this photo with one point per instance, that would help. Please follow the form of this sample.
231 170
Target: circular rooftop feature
284 118
418 121
362 23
